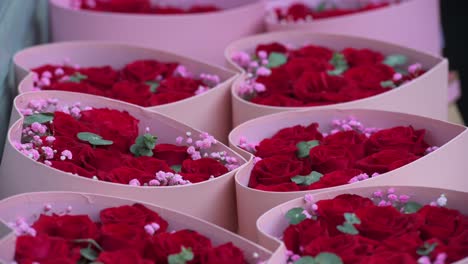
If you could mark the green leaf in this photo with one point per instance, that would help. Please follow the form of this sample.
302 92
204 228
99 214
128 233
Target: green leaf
40 118
89 253
308 179
93 139
144 145
395 60
89 241
426 249
305 260
352 218
339 62
295 215
328 258
101 142
77 77
411 207
347 228
153 86
321 7
149 141
388 84
276 59
304 147
181 258
176 168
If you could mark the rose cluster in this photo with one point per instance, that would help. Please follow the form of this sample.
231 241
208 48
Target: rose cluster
359 231
142 82
314 75
124 235
105 144
302 158
296 12
140 7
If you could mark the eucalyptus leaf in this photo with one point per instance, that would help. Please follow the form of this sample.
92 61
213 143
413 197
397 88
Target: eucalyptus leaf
93 139
411 207
77 77
304 147
347 228
101 142
388 84
305 260
308 179
40 118
153 86
352 218
89 241
89 253
395 60
144 145
426 249
295 215
339 62
177 168
328 258
181 258
276 59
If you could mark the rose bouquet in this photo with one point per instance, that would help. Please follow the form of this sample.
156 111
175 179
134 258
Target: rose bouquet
177 25
161 81
281 74
329 149
105 146
370 225
364 18
61 227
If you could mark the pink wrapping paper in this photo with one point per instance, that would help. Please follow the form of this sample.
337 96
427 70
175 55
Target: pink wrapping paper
272 223
21 174
203 36
195 111
413 23
30 204
444 168
426 95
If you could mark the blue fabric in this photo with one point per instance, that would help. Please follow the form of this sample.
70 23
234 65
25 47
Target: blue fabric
22 23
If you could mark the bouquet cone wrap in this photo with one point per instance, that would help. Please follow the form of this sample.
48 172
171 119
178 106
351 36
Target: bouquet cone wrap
272 223
30 205
212 200
425 95
444 168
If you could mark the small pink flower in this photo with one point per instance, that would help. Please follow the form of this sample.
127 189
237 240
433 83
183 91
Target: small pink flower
134 182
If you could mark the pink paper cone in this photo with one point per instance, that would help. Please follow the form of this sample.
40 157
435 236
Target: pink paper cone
203 36
196 111
21 174
30 205
444 168
407 98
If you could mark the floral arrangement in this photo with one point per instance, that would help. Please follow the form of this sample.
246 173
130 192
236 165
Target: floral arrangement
125 234
386 228
302 158
105 144
142 82
140 7
285 76
300 12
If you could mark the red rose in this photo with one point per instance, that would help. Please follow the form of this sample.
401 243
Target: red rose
166 244
393 256
80 87
67 126
167 98
360 57
121 6
457 246
404 243
297 66
350 248
335 178
320 87
120 127
135 93
102 159
123 236
102 77
274 170
297 236
80 151
70 167
149 164
382 222
328 158
351 140
202 169
270 147
370 76
179 84
66 226
43 248
124 175
439 222
124 256
145 70
271 47
277 100
299 133
277 82
226 254
298 11
385 160
401 138
332 211
172 154
136 215
316 52
67 70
